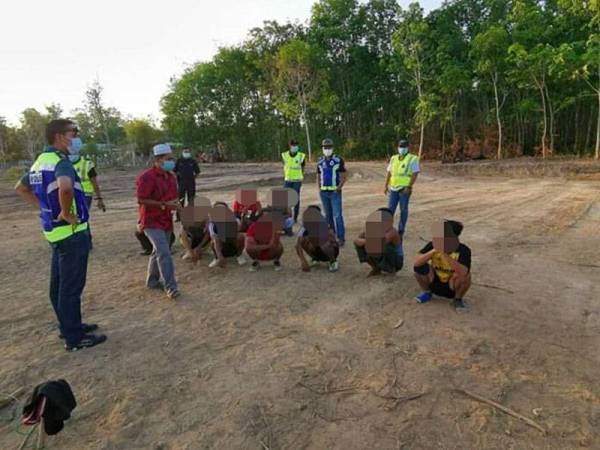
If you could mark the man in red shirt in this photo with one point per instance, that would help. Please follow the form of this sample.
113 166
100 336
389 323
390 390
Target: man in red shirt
246 207
263 239
157 197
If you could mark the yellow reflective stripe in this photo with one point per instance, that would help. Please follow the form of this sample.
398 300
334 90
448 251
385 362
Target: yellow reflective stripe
401 177
64 231
292 166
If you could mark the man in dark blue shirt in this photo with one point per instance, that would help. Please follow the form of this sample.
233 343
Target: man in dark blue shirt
331 177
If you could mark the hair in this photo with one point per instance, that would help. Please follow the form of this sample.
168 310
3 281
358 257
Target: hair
455 226
58 126
317 207
292 142
387 210
183 149
220 203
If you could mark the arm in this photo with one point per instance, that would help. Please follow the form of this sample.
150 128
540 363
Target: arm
94 181
460 271
65 199
196 169
386 187
26 194
343 179
423 258
301 257
217 245
413 178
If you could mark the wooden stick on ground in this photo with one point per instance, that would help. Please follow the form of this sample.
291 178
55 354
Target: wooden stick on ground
504 409
22 446
490 286
10 398
41 441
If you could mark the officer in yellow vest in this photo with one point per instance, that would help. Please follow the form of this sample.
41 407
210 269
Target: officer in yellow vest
293 171
86 170
54 189
402 172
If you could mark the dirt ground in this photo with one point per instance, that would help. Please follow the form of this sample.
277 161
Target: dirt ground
295 360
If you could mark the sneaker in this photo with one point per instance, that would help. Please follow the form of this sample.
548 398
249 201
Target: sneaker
424 297
459 305
214 263
254 267
85 327
88 340
187 255
334 266
241 260
277 266
313 263
173 294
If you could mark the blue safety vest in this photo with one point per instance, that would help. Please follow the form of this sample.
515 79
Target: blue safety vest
43 183
330 175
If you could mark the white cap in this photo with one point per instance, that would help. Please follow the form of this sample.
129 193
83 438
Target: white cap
161 149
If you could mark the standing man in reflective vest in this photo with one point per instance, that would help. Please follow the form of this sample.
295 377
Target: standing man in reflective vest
293 171
86 170
53 187
331 177
402 172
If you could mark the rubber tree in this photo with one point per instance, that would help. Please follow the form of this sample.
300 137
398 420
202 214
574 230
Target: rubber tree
410 42
490 51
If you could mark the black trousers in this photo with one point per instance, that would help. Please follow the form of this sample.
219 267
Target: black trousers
187 189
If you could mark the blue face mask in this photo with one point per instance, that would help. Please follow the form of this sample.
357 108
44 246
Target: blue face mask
168 165
403 151
75 147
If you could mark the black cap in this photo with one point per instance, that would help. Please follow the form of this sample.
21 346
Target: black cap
403 143
327 143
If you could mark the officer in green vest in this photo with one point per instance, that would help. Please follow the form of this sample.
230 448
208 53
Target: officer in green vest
402 172
293 171
54 189
86 170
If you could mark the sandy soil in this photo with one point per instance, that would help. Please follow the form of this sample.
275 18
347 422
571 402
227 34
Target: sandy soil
296 360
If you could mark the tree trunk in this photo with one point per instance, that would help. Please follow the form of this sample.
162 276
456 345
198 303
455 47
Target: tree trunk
551 116
589 130
544 134
495 82
576 142
597 153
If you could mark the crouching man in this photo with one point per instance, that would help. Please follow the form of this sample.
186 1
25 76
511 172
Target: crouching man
380 245
317 240
443 266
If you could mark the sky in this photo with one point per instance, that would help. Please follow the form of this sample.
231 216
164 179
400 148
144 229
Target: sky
51 51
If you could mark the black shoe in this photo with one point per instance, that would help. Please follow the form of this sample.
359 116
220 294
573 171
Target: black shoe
85 327
158 285
460 306
88 340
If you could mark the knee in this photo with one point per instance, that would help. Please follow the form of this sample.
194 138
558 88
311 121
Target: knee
422 270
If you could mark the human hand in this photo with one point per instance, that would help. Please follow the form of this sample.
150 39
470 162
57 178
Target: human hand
101 205
68 217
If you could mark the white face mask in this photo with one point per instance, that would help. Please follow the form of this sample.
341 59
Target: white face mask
294 149
328 152
403 151
186 155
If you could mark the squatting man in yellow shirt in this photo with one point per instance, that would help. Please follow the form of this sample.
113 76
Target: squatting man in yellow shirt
443 266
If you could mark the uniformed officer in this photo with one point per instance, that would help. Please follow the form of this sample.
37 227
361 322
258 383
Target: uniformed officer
86 170
402 172
331 177
293 171
53 187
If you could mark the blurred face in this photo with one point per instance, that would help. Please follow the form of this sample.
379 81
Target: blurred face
378 224
443 239
316 227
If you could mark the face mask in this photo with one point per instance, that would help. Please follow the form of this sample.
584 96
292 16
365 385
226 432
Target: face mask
75 147
168 165
294 149
187 155
328 152
403 151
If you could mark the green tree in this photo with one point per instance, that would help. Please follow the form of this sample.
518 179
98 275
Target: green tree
142 133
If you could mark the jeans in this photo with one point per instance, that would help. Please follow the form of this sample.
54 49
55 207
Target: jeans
399 198
88 202
332 206
295 185
68 270
160 264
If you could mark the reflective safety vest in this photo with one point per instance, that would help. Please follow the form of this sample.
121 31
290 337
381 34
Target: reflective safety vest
83 167
44 185
292 166
401 170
